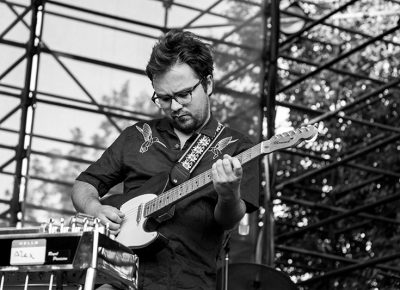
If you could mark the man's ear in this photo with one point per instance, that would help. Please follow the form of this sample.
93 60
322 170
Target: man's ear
210 85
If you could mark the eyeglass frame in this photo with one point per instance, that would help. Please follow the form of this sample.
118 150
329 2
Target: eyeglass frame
173 97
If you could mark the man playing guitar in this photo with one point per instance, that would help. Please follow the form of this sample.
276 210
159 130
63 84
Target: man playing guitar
143 156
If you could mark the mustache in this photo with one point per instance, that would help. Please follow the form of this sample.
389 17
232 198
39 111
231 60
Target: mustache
179 114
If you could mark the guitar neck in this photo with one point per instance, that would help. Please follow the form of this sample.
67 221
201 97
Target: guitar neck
276 142
188 187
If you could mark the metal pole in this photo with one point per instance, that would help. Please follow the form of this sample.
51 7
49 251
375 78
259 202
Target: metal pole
268 92
26 104
91 272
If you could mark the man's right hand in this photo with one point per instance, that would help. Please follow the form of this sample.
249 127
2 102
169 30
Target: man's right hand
111 216
86 199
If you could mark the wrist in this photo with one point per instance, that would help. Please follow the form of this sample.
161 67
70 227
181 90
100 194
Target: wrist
229 197
92 206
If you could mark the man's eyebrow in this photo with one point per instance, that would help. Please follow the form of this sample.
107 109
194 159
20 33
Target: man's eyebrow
178 92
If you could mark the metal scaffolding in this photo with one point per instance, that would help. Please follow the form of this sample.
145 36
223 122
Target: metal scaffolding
324 193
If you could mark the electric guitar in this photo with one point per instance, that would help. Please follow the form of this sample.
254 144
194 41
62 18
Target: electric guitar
135 232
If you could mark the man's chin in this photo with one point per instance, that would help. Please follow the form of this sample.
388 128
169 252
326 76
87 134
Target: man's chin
185 126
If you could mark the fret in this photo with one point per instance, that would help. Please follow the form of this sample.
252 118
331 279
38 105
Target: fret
156 203
204 180
190 186
201 180
208 176
177 192
167 199
193 184
159 204
170 197
173 196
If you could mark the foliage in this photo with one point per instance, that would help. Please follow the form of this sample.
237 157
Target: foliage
354 162
352 131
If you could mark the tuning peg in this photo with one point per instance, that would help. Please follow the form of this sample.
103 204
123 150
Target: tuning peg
62 226
107 230
85 224
43 228
73 224
98 226
312 139
50 226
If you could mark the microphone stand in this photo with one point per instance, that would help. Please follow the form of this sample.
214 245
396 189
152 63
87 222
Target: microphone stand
225 265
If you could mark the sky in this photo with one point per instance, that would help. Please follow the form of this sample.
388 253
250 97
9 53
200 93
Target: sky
65 35
87 40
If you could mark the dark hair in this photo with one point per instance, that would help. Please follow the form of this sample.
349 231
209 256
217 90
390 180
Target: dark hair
180 46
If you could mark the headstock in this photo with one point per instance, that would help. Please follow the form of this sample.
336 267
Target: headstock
289 139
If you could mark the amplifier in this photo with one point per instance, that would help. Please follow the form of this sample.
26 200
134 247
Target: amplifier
79 256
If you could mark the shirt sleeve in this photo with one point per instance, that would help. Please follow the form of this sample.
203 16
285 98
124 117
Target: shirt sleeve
108 170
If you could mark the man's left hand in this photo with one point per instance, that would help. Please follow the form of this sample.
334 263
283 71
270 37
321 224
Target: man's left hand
227 174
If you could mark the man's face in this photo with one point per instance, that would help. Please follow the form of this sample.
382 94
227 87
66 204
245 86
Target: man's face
189 117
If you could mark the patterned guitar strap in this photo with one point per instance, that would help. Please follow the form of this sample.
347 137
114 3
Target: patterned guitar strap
191 158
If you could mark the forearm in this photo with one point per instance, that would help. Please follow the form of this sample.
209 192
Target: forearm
228 212
85 198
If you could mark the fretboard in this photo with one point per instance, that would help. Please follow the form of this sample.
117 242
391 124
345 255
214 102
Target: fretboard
190 186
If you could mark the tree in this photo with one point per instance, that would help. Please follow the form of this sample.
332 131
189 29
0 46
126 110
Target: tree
335 187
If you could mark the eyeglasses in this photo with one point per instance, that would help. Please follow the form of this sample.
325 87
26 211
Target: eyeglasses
184 97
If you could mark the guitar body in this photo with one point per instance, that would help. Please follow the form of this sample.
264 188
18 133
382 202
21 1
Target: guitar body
134 232
136 229
156 185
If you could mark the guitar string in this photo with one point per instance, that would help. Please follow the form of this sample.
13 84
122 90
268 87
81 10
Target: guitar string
196 182
201 179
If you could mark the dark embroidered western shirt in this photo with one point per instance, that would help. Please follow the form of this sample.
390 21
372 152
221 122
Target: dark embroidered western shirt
147 149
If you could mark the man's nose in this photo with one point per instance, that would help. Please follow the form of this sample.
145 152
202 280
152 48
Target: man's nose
175 106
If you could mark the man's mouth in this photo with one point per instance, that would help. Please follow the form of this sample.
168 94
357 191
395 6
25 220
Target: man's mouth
179 117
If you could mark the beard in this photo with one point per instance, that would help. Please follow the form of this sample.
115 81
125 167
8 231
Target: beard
186 123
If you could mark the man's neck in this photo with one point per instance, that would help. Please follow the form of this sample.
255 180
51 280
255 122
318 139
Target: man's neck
183 137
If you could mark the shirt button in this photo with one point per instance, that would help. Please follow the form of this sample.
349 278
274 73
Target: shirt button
177 146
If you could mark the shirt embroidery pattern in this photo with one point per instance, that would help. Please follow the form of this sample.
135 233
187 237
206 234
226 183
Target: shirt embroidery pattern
148 138
217 149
